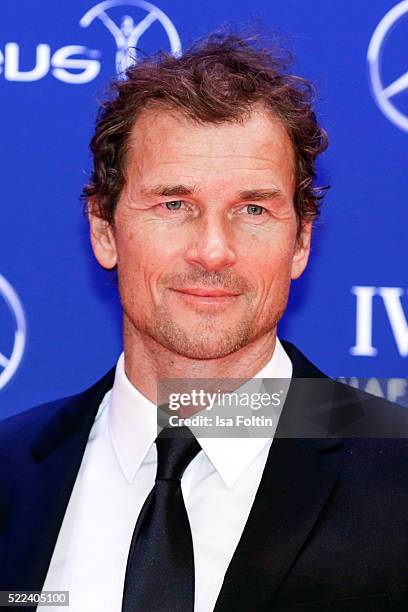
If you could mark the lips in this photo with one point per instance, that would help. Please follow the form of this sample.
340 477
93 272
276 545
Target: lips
208 293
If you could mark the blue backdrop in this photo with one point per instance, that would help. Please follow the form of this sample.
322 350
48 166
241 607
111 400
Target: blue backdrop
59 314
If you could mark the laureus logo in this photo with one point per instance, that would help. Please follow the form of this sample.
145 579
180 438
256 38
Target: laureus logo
128 31
77 64
10 359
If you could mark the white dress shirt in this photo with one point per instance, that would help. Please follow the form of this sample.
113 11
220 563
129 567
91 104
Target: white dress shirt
115 477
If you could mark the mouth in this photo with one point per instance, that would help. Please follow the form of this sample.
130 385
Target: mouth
208 293
206 298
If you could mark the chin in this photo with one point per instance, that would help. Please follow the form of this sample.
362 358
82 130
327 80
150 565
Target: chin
202 352
201 343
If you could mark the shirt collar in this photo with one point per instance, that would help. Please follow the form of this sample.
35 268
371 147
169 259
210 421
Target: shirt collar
132 424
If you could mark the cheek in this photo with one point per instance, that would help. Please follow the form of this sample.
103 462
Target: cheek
143 258
268 261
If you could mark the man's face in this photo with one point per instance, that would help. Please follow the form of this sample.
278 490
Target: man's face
204 234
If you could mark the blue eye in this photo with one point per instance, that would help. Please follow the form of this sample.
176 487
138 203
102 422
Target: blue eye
254 209
174 205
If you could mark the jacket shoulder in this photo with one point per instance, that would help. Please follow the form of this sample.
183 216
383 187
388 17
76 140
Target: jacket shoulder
25 425
354 412
22 428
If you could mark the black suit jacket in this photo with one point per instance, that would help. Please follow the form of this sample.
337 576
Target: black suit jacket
328 530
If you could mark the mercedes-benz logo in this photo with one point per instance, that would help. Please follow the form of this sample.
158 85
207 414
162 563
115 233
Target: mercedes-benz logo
128 33
10 362
384 94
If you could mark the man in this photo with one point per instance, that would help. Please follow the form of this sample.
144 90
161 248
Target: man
202 199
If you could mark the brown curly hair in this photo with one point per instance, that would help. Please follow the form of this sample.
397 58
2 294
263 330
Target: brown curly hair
218 79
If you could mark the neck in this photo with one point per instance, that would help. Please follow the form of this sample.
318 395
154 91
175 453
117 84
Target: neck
147 361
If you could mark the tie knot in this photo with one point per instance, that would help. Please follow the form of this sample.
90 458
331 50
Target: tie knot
176 448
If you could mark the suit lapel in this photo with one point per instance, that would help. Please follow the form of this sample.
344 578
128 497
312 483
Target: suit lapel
295 487
41 495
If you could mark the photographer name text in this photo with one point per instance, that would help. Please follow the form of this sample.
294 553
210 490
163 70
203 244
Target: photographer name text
238 420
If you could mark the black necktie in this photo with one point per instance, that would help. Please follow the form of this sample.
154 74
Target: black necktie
160 567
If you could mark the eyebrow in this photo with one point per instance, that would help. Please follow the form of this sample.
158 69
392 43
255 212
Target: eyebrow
259 195
169 190
254 195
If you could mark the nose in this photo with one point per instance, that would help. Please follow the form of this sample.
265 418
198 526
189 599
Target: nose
211 244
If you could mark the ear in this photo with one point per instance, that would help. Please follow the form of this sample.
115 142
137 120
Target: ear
102 240
302 250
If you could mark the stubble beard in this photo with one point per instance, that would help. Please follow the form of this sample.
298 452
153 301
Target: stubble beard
207 338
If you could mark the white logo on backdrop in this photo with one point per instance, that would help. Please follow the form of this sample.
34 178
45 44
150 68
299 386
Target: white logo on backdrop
9 363
78 64
391 299
384 94
128 33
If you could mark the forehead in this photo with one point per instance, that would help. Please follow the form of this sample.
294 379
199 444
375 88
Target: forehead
163 143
